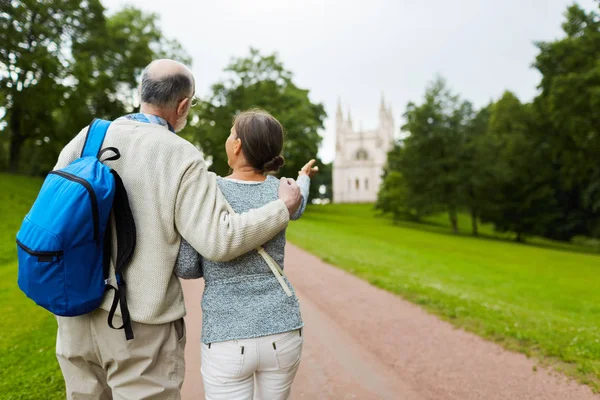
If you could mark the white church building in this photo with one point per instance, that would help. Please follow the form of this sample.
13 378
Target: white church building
360 157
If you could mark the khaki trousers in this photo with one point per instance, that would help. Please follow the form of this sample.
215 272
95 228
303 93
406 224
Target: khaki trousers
97 362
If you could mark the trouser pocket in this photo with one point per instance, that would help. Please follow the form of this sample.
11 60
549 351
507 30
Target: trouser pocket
288 349
180 329
223 361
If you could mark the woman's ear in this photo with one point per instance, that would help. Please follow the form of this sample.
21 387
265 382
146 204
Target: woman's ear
237 146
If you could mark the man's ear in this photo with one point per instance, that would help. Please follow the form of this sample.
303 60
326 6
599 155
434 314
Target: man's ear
182 106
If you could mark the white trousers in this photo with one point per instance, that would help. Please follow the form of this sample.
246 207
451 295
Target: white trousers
260 368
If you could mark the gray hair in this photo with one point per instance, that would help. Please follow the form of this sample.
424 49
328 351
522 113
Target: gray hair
165 91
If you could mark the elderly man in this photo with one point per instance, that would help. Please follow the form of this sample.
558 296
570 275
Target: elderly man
172 195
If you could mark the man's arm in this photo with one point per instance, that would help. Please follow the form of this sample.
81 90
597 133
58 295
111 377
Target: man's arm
204 219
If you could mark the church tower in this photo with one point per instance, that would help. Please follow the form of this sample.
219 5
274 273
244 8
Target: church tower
360 156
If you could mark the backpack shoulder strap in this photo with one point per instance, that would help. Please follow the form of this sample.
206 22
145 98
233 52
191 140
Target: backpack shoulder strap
126 240
95 137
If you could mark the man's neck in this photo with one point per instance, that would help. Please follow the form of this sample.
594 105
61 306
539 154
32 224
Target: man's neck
148 109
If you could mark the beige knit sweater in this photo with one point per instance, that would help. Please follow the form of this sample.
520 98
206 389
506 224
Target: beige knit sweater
172 195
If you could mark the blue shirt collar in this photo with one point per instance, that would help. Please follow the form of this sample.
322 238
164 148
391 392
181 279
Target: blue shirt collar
149 119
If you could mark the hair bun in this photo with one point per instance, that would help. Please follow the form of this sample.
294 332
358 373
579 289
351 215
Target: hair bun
274 165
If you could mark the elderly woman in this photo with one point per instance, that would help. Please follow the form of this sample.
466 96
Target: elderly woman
251 323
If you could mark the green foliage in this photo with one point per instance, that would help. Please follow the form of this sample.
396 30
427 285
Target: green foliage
394 197
68 64
430 158
568 108
530 169
474 166
258 81
521 197
540 300
32 54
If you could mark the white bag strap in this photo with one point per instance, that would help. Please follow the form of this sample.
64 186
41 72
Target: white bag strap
277 271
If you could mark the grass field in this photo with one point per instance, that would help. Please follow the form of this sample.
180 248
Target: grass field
28 366
541 299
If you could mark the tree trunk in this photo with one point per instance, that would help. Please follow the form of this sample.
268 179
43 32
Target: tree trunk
520 237
474 222
453 219
16 140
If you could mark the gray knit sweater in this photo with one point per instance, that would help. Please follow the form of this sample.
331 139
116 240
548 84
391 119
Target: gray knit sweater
242 297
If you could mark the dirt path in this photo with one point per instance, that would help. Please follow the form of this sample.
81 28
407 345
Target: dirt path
365 343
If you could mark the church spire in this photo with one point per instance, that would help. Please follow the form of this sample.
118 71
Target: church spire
339 116
349 119
385 113
339 127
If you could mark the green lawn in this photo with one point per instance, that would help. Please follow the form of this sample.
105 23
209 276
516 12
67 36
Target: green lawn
28 366
542 299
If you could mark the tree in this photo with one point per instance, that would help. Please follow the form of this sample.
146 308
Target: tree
34 35
258 81
518 181
528 168
394 197
474 166
65 64
569 122
430 159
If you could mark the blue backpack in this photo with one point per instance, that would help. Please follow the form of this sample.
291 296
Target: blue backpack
64 244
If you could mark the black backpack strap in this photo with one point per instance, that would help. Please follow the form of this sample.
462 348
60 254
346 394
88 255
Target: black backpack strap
126 239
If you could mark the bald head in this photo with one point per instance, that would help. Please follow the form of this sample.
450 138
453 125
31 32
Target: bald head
165 83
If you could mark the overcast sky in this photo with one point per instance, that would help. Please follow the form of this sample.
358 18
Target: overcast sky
355 50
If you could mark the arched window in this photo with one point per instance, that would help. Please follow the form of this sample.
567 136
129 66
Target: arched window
357 184
366 183
362 154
